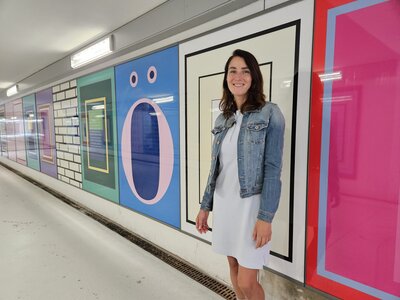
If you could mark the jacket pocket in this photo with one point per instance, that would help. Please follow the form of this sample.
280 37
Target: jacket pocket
256 132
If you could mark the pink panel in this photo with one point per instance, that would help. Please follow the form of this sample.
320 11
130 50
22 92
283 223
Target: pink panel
362 241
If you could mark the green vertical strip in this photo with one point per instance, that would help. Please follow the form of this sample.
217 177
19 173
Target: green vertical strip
98 132
31 132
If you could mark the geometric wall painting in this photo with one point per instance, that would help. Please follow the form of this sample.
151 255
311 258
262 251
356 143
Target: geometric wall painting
3 133
277 53
96 96
31 136
45 122
354 168
10 131
17 121
148 131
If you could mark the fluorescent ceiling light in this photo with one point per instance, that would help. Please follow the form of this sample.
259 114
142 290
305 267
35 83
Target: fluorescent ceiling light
91 53
12 90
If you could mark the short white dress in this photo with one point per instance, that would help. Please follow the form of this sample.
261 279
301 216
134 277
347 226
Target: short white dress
234 217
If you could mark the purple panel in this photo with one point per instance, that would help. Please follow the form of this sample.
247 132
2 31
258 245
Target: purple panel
47 144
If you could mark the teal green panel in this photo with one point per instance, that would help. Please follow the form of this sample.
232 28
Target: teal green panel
97 111
31 132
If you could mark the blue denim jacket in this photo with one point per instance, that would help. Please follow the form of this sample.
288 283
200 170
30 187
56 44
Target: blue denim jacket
260 147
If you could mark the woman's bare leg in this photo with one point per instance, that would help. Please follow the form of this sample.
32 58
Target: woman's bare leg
248 284
234 269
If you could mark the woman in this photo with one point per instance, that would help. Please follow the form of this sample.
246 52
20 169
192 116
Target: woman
244 185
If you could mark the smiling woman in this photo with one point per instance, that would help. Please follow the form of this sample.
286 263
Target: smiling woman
244 185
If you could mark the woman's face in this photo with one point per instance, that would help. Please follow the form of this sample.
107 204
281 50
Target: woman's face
238 78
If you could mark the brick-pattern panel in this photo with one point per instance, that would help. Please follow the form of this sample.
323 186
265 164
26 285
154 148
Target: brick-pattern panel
66 121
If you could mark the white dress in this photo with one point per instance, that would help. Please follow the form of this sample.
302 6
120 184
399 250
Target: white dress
234 217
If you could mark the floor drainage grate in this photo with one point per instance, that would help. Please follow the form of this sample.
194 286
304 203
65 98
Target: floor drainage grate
182 266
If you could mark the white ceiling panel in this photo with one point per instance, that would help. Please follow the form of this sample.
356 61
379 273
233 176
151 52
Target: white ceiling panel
35 34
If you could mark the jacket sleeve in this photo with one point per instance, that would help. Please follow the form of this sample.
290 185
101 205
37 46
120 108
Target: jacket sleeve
271 190
208 196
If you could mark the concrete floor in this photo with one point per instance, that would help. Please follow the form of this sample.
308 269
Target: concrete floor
49 250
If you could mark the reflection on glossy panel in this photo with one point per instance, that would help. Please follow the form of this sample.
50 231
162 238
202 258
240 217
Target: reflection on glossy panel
31 137
355 214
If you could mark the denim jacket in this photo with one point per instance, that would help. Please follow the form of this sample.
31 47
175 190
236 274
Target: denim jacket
259 157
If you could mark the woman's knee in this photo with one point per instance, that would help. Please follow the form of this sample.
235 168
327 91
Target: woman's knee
247 281
233 263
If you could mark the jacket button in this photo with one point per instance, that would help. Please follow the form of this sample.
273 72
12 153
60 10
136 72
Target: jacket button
218 142
257 127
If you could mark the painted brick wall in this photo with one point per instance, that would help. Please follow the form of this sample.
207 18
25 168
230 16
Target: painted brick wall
67 133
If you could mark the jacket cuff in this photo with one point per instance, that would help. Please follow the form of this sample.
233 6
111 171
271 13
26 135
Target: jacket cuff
265 216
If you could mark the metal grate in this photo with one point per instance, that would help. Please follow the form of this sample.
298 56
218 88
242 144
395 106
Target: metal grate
219 288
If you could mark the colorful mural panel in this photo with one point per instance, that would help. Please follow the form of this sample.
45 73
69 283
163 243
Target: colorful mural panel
148 130
3 132
354 178
19 134
47 143
31 132
96 94
282 47
204 89
10 131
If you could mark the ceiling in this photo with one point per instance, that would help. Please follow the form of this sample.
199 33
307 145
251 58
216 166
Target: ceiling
35 34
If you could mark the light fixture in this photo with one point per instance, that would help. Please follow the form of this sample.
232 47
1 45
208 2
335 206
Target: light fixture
12 90
91 53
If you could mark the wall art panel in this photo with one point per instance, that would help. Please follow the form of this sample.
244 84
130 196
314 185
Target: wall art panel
31 132
96 94
47 139
3 132
67 132
10 131
19 131
276 45
354 178
148 131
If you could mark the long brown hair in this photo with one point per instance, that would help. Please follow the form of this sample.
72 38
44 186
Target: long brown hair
255 95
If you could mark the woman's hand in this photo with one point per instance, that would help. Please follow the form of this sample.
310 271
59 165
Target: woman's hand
262 233
201 221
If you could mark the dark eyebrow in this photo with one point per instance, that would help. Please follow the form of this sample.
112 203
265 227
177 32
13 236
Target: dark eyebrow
244 68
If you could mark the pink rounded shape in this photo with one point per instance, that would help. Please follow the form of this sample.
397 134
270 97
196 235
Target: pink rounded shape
154 70
134 74
166 152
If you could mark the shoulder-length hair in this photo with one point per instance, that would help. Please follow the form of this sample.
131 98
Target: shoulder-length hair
255 95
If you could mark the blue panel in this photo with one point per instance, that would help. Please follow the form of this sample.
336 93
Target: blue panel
148 133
